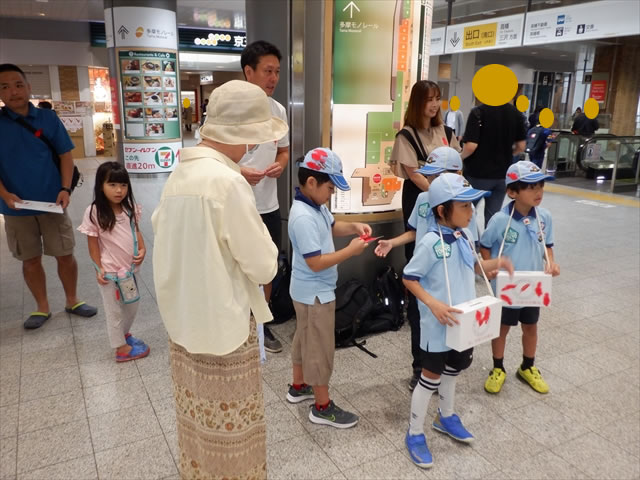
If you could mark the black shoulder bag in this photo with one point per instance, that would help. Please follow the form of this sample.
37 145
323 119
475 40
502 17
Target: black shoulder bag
76 177
421 153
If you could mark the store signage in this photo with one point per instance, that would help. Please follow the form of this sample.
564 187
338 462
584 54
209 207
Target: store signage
599 90
437 41
503 32
151 157
206 78
611 18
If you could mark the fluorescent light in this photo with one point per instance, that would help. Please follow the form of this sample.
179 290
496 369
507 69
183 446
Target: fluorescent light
42 14
208 58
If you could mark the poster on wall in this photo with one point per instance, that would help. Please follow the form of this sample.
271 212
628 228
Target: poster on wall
370 94
150 100
151 157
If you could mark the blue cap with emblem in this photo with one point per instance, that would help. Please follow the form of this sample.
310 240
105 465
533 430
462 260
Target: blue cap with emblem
451 186
442 159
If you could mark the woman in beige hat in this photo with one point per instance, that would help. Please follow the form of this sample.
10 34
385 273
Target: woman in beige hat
211 253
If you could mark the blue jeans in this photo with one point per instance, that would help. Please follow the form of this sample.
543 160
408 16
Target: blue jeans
493 203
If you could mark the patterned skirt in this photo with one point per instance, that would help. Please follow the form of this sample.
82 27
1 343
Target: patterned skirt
220 412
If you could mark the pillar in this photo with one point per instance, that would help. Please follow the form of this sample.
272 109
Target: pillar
142 43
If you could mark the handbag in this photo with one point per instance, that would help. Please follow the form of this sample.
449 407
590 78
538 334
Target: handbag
76 178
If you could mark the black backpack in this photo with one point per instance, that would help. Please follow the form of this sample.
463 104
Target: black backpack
388 297
535 140
280 303
353 308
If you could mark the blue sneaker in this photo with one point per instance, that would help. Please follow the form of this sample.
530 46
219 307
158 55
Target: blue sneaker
418 450
453 427
137 351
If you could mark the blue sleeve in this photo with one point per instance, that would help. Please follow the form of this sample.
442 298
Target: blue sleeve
332 220
493 233
422 261
59 136
412 223
307 236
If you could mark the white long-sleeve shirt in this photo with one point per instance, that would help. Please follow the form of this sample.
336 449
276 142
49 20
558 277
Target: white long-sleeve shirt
211 252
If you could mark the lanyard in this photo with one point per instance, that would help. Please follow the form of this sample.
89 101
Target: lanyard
544 240
446 270
114 277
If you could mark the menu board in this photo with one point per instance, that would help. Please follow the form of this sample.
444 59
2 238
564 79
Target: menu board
150 96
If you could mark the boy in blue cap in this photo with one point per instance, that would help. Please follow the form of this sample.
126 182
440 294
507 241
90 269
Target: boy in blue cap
442 159
313 281
525 231
450 196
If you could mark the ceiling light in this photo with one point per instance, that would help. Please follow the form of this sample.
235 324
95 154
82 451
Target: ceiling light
182 24
42 14
489 13
42 1
552 2
563 54
534 53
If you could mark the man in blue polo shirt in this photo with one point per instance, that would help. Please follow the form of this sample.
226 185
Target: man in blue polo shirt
28 172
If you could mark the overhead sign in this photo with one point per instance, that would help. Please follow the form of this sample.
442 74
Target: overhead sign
141 27
503 32
611 18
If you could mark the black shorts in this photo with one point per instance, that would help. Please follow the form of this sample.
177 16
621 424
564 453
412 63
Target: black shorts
435 361
524 315
273 222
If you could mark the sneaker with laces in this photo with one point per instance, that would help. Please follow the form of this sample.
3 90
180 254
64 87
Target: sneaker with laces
297 396
418 450
333 416
533 378
271 343
495 381
453 427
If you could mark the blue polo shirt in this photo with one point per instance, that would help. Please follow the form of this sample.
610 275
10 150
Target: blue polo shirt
427 267
422 219
311 234
26 163
523 242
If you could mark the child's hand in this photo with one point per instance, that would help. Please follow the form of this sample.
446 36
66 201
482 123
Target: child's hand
553 268
362 229
444 313
357 246
383 248
100 277
491 274
138 259
505 264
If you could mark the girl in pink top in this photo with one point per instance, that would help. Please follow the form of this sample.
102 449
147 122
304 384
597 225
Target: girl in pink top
116 247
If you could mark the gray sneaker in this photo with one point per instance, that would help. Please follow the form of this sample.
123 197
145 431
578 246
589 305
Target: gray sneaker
333 416
271 343
297 396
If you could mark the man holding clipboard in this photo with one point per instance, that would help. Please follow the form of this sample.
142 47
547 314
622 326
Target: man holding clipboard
29 172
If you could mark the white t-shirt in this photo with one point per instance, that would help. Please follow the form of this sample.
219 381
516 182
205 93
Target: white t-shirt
266 191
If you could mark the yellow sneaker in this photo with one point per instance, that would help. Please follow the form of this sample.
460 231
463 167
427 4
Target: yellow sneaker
533 377
495 381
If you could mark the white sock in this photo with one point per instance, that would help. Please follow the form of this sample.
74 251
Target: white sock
420 403
447 391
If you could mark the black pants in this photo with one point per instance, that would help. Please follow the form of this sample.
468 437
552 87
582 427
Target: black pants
410 194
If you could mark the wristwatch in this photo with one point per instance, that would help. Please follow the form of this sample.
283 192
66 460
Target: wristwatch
65 189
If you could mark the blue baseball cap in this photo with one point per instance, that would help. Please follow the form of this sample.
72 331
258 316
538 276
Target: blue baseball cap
442 159
527 172
325 161
451 186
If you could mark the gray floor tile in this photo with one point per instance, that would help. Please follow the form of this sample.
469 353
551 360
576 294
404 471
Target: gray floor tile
90 351
298 458
8 452
599 458
53 382
158 385
37 340
147 459
166 412
10 391
124 426
544 466
83 468
9 421
624 432
51 411
625 397
545 424
46 360
281 423
53 445
393 465
106 371
115 396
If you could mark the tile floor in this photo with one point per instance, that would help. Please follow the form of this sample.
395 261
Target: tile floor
67 411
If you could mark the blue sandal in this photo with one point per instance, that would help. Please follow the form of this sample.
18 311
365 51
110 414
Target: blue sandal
137 351
131 340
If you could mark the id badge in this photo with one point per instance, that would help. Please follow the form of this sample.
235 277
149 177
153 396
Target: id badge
128 289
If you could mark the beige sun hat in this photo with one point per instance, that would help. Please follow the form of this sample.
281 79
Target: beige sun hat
240 113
